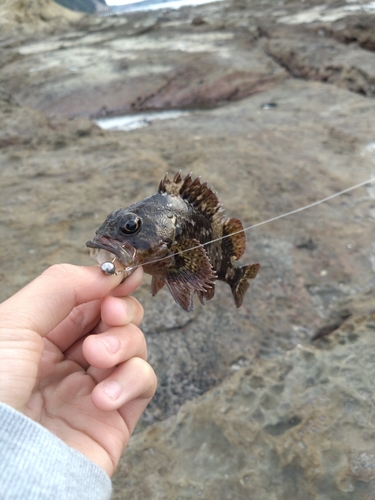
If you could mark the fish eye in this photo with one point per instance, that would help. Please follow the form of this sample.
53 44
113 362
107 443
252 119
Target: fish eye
131 226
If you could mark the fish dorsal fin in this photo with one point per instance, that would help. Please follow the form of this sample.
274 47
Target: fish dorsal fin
199 195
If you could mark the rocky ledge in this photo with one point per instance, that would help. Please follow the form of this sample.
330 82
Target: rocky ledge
299 426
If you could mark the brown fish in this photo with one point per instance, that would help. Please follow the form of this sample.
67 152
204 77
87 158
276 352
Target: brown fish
168 234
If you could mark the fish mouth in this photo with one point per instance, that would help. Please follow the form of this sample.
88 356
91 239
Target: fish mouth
104 249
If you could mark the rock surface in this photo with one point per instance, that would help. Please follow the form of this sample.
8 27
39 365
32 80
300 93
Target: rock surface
281 115
28 17
299 426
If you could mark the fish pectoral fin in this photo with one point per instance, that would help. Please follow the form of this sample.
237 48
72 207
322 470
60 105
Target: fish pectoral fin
181 295
190 272
157 284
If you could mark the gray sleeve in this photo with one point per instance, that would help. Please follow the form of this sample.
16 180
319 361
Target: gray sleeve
37 465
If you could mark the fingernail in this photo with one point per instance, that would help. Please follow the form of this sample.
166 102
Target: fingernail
111 343
112 389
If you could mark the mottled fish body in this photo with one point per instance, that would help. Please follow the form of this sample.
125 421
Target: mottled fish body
167 233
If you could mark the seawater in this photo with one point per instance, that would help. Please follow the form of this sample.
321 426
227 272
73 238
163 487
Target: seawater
139 120
152 5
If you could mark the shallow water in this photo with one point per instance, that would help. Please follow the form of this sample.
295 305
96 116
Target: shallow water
139 120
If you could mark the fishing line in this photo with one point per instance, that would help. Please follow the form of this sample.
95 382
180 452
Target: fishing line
286 214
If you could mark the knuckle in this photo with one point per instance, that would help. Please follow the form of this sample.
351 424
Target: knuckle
138 340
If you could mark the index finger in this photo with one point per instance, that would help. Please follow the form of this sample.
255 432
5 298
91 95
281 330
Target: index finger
50 298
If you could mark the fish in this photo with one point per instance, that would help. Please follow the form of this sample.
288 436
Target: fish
181 238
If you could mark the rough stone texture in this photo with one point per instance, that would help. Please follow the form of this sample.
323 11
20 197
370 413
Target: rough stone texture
31 16
324 59
205 57
83 74
359 29
299 426
268 142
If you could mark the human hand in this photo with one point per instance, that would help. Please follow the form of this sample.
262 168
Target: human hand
73 358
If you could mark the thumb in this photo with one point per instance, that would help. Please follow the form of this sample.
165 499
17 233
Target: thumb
50 298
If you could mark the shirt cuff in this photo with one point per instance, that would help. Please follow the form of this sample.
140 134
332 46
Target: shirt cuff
37 465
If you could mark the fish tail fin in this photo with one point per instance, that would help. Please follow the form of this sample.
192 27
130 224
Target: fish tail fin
240 283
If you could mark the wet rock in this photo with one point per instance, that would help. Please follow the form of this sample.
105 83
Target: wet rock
299 426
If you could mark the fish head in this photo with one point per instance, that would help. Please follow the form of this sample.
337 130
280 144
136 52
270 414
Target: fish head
132 237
